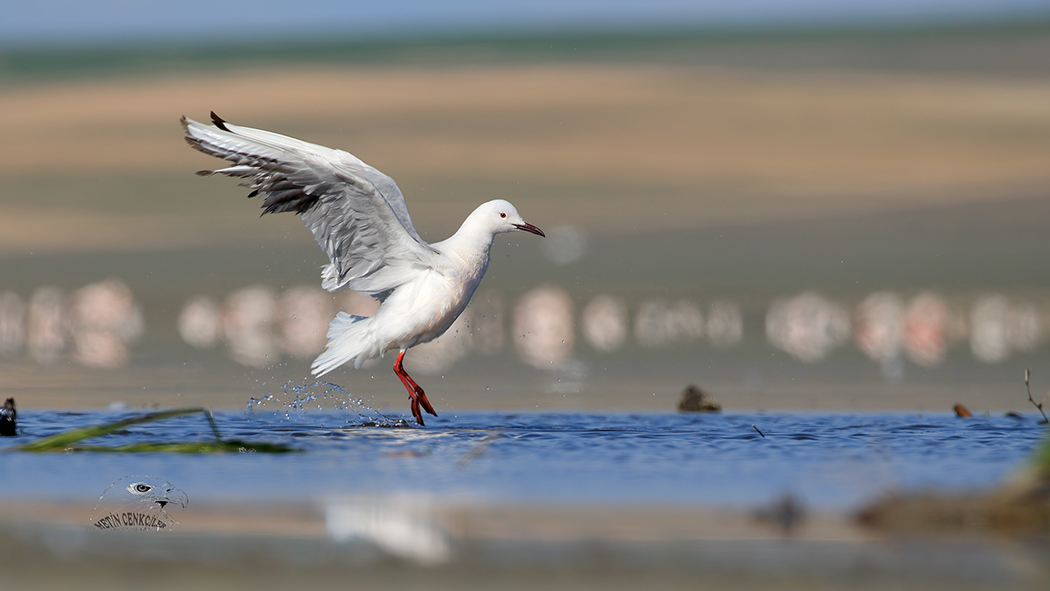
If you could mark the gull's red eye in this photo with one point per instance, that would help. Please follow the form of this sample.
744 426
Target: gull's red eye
502 215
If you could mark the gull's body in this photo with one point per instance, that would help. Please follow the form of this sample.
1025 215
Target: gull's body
359 218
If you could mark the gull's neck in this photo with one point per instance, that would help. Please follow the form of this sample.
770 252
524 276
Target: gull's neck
471 243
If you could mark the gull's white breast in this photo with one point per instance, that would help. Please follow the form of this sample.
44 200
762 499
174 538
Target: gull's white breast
425 307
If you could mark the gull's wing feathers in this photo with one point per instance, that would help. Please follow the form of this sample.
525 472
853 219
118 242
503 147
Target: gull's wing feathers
356 213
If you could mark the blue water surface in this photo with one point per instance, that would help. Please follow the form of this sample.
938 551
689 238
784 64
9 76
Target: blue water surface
827 460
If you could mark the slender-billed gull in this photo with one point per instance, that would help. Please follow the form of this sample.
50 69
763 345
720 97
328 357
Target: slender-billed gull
359 218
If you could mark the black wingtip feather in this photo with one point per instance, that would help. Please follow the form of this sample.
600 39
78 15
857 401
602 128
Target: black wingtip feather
253 194
219 122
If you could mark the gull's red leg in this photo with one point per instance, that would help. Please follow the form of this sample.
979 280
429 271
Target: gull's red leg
415 393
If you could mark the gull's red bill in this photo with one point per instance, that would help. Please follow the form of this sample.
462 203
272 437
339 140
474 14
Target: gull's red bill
530 228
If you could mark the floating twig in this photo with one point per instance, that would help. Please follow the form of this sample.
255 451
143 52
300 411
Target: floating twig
1038 405
759 431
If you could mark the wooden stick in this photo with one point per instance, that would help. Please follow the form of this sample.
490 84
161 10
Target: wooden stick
1032 400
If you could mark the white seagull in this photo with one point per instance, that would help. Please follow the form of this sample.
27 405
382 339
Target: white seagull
359 218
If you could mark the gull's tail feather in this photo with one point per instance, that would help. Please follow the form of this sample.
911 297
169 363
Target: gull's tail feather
348 340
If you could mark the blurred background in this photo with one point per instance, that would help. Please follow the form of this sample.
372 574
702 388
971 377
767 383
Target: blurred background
798 205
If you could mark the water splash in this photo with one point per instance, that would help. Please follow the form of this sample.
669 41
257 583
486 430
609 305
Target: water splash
325 396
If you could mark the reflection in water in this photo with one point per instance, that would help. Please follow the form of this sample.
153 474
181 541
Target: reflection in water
104 321
258 326
725 323
808 326
988 339
1024 328
403 525
247 322
604 323
45 334
650 324
878 325
303 314
97 323
925 322
997 328
564 245
12 323
687 320
487 322
878 331
658 323
543 327
200 322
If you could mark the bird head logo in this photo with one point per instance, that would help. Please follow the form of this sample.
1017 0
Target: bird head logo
138 502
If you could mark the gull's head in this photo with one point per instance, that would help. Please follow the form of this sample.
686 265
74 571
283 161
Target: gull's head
500 216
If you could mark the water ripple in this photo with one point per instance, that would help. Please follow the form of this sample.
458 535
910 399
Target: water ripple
836 460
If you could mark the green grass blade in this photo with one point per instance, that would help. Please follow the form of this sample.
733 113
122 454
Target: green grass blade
68 440
60 441
188 447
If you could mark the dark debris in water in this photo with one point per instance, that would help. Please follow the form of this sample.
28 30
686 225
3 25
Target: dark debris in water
696 400
8 419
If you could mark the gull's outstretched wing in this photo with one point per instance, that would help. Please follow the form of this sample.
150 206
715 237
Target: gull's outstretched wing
356 213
